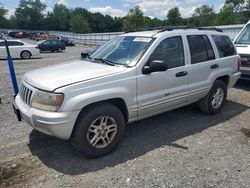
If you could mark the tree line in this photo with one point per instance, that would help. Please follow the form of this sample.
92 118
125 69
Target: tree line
32 15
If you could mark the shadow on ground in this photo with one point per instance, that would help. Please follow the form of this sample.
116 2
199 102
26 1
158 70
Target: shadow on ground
140 138
17 59
243 84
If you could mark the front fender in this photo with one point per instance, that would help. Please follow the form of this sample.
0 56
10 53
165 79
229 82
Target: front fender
80 101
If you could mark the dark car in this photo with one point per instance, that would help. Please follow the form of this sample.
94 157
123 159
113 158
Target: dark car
21 35
51 45
66 41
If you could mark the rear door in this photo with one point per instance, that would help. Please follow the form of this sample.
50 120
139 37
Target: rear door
16 48
54 45
202 65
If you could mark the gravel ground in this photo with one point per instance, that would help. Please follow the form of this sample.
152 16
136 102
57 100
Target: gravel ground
181 148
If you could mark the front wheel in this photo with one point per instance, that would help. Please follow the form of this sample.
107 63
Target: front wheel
98 130
215 100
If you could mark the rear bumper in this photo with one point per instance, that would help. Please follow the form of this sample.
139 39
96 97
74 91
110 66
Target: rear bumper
245 73
233 79
58 124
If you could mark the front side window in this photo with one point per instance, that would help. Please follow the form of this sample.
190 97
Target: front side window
123 49
46 42
224 45
169 51
244 37
200 48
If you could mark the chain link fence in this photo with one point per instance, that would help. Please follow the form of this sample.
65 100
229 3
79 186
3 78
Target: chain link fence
99 38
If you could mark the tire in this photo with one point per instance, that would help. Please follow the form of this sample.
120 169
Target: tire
89 140
59 50
25 54
215 100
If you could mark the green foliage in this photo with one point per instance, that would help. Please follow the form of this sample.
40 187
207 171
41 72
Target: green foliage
3 20
29 14
134 20
174 16
238 5
204 16
226 15
78 24
59 18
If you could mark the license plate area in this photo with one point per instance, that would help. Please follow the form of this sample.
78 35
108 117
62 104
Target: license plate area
17 112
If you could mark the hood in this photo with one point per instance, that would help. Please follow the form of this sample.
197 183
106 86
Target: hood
53 77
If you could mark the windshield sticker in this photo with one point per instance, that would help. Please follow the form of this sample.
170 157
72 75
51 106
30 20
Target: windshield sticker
141 39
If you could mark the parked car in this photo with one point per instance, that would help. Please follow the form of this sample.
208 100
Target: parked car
19 49
129 78
21 35
242 43
51 45
12 33
66 41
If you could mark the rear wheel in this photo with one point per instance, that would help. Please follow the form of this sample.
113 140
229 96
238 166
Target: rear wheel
215 99
26 55
98 130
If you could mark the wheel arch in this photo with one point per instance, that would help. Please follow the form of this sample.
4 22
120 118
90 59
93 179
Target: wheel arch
224 78
25 51
118 102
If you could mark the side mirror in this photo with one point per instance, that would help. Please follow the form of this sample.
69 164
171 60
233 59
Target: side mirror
155 66
84 55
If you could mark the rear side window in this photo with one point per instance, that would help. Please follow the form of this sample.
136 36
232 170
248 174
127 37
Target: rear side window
200 48
224 45
15 43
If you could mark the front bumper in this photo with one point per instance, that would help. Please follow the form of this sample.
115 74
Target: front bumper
58 124
233 79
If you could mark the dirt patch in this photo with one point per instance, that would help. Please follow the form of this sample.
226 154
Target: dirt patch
12 173
246 132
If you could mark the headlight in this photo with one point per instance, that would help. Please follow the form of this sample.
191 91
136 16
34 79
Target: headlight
47 101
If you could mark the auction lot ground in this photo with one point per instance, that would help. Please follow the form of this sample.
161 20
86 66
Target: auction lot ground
181 148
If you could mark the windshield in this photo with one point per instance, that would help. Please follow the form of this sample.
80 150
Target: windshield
122 50
244 37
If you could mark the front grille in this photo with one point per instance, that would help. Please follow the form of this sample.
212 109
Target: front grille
25 94
245 60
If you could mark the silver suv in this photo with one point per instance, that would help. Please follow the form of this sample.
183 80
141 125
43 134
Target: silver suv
129 78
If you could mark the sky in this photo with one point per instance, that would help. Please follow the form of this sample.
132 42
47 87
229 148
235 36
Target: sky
151 8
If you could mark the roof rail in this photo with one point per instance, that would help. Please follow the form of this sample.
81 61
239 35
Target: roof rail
210 28
171 28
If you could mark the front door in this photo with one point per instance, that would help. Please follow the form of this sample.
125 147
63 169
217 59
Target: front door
162 91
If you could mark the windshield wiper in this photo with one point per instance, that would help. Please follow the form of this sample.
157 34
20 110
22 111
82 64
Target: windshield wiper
106 61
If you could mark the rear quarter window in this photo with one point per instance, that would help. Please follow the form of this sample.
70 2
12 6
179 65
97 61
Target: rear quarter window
224 45
15 43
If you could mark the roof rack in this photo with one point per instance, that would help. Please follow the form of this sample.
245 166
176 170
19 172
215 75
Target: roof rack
171 28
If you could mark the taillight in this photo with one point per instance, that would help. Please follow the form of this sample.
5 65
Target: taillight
239 63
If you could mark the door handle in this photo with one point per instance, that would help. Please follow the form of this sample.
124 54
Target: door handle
214 66
179 74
